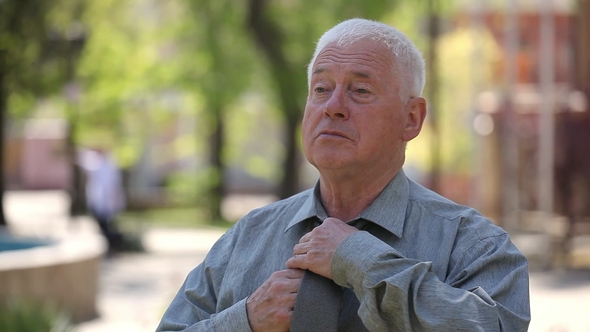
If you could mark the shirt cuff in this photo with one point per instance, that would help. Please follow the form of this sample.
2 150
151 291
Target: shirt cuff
354 257
234 318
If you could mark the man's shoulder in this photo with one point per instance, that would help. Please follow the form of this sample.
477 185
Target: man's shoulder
468 218
435 203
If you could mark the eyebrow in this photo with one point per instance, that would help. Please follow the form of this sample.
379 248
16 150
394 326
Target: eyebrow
361 74
318 70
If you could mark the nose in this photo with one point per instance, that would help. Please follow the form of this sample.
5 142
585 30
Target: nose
337 107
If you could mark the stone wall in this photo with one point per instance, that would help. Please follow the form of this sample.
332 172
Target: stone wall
64 273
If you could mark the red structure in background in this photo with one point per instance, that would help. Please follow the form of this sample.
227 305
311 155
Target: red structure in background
519 114
572 168
529 45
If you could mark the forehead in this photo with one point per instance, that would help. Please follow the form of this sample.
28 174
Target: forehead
363 57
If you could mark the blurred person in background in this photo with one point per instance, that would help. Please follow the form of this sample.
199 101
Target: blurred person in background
367 249
104 193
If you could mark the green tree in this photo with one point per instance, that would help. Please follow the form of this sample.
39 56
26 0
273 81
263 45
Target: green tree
33 59
195 50
217 35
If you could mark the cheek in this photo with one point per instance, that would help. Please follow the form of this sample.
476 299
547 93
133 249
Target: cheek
307 128
387 131
308 123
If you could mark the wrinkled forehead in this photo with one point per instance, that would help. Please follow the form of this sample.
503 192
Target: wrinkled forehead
362 52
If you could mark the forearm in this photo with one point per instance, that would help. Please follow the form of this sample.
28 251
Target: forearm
401 294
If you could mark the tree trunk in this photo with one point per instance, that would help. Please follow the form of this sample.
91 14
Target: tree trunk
216 143
290 181
3 109
215 109
267 35
433 33
76 191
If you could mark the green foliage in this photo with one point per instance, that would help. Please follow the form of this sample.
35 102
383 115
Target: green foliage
254 142
183 187
147 62
121 103
26 316
36 47
191 188
152 68
457 72
174 217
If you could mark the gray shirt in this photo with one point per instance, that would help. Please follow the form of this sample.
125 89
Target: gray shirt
421 263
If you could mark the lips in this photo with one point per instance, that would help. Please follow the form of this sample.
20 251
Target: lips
333 133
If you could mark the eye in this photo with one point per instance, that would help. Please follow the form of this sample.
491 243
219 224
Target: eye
362 93
319 89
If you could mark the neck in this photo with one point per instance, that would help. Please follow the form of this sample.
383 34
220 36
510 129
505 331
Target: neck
345 197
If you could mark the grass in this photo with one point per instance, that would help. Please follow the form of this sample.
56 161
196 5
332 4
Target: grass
189 217
133 224
24 316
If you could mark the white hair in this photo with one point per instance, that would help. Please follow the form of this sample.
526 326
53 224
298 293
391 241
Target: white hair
408 64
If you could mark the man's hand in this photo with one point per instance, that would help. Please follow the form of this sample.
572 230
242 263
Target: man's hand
270 307
315 249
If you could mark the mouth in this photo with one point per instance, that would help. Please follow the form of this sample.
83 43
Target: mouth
332 133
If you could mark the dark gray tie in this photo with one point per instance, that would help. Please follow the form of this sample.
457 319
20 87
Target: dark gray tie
319 302
318 305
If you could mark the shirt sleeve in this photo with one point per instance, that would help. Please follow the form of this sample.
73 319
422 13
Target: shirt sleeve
195 306
487 290
180 317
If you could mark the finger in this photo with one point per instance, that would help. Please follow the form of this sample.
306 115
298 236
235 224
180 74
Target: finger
332 220
297 262
305 238
333 224
292 286
288 274
291 298
300 249
296 284
295 273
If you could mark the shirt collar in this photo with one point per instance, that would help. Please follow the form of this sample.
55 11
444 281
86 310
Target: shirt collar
388 210
311 207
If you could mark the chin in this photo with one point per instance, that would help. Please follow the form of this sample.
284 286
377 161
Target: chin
331 164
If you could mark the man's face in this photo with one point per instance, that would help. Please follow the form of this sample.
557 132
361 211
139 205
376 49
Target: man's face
354 118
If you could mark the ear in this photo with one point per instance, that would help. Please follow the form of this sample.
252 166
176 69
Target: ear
415 113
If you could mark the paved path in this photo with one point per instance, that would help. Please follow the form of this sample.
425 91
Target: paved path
136 288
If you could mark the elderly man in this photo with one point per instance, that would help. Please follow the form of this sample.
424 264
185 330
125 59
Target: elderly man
390 254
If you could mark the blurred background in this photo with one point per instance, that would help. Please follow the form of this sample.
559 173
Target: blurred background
186 114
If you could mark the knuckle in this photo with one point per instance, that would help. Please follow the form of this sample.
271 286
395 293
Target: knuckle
276 287
329 221
283 315
273 288
278 274
313 254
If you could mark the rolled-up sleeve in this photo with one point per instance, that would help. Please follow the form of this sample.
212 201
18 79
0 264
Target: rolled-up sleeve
486 289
